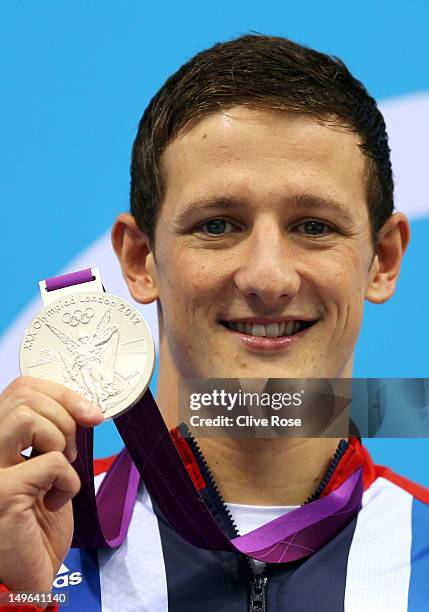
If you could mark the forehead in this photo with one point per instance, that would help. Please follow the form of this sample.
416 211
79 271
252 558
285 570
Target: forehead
262 153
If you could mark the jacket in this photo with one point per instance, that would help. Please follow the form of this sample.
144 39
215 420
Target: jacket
379 562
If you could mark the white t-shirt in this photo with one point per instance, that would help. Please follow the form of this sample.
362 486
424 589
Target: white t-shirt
247 518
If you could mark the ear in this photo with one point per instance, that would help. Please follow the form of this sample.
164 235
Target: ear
132 247
393 240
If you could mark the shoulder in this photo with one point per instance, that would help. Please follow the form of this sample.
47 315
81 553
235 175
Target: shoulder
376 478
416 490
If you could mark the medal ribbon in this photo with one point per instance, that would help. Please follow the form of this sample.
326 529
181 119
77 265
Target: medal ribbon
102 520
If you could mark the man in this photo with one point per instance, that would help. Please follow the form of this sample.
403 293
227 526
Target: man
261 219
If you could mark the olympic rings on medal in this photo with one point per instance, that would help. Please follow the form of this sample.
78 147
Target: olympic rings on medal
78 317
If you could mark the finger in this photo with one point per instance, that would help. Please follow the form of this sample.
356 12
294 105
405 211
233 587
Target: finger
51 472
25 427
82 410
50 409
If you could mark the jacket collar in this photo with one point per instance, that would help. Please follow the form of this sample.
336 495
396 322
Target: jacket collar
350 455
355 456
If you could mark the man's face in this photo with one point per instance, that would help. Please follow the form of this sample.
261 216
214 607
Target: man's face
264 223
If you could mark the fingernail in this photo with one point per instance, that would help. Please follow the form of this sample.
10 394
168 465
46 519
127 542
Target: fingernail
73 454
91 409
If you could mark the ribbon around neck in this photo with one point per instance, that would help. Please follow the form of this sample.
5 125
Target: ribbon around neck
102 520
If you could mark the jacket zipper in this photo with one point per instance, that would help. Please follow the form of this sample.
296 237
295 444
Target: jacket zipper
258 580
257 593
341 449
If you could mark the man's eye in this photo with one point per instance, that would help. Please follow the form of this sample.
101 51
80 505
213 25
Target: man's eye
314 227
215 227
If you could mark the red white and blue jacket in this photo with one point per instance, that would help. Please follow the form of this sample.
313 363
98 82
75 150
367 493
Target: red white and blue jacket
378 563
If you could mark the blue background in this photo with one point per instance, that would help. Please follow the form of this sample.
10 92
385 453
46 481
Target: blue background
76 77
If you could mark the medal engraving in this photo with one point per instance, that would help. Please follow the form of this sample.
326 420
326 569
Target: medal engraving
94 343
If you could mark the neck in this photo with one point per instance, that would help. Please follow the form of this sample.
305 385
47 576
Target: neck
268 472
254 471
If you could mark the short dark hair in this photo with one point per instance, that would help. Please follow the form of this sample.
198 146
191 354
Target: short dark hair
263 72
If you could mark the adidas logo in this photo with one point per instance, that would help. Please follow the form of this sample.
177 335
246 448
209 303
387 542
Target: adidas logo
65 578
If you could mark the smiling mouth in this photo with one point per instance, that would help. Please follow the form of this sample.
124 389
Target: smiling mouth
272 330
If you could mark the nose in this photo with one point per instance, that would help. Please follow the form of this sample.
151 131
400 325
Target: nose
266 268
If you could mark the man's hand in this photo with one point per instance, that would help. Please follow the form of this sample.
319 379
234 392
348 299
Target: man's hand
36 517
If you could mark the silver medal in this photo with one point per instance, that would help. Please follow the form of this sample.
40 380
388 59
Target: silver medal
94 343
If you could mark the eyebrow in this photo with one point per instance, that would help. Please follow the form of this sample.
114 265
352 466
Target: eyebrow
296 201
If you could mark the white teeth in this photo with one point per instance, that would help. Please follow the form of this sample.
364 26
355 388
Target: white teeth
273 330
258 330
289 328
